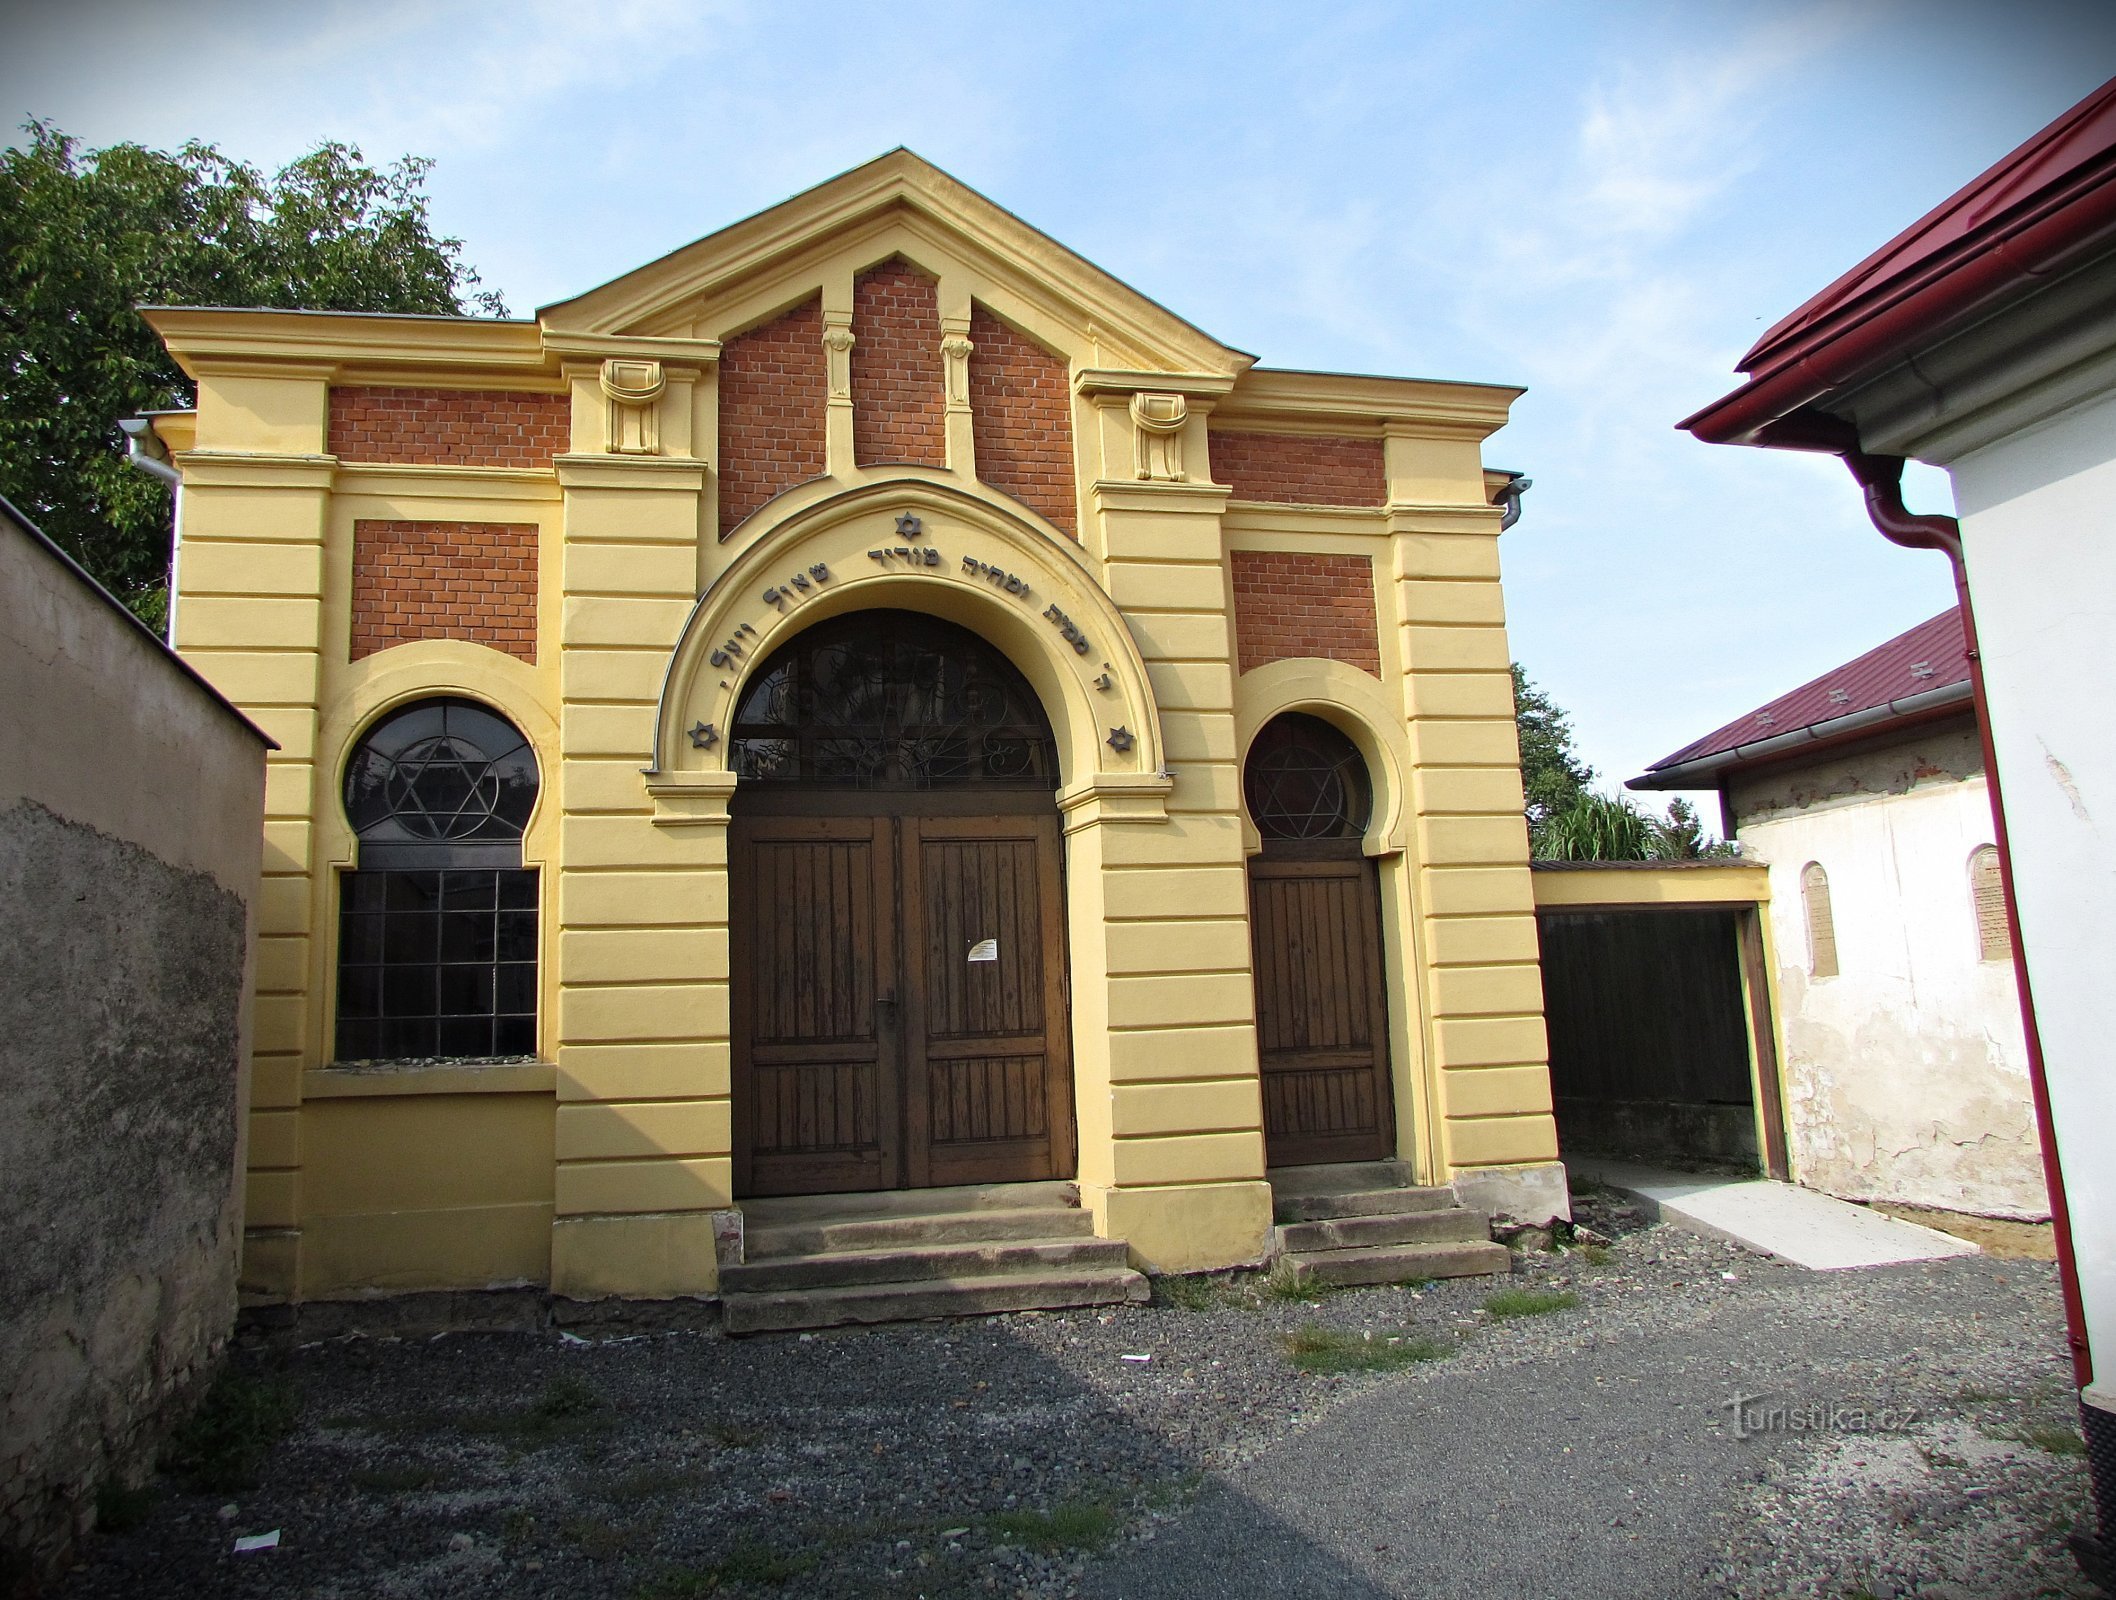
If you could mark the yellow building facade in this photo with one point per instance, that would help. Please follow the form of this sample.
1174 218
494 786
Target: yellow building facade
866 701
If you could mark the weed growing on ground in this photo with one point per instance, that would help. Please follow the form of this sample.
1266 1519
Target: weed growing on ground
1069 1525
1193 1292
1284 1282
120 1510
222 1445
1314 1348
1528 1302
2056 1439
735 1435
1595 1255
566 1409
647 1482
399 1478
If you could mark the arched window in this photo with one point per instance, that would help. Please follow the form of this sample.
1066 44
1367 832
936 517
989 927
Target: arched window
1821 925
892 700
437 937
1305 780
1987 894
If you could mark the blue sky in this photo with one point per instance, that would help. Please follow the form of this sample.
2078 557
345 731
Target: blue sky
1604 202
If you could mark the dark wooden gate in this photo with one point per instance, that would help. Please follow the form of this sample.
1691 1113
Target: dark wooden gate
899 1002
1321 1005
1649 1035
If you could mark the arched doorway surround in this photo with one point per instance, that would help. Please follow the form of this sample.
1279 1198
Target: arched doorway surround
942 554
1322 1008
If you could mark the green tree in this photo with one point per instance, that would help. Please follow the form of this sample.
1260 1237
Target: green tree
1553 776
85 237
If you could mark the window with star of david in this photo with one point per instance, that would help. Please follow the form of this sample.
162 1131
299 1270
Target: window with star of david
437 926
1306 781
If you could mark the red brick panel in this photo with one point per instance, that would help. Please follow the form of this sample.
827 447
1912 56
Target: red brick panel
1021 412
774 390
899 395
1287 604
444 580
1300 469
449 427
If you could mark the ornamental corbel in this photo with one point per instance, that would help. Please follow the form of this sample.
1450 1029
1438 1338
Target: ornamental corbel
1157 428
838 341
632 388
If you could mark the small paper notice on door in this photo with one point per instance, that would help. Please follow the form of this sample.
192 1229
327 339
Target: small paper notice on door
985 950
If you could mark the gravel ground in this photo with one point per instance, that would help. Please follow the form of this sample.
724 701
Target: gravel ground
1025 1455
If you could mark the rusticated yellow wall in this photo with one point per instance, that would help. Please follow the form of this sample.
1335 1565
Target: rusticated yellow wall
598 1171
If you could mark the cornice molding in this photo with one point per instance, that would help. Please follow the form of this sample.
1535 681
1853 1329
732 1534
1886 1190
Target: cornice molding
631 472
218 339
599 347
256 469
1268 400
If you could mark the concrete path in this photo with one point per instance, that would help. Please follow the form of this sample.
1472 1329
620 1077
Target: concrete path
1797 1225
1596 1459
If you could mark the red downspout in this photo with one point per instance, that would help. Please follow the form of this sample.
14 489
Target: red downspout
1882 479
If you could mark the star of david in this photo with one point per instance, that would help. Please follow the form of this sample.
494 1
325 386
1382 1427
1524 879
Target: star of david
908 526
443 788
1295 798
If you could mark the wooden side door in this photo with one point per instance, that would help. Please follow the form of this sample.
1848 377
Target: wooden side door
817 1068
988 1061
1321 1008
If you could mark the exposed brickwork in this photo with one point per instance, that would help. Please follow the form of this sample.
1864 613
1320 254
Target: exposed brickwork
449 427
1287 604
1300 469
444 580
774 389
1022 417
899 399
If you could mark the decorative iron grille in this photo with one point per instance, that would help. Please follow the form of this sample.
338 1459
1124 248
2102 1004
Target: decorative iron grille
892 700
1306 780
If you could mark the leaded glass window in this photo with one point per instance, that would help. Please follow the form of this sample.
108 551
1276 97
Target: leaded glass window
437 929
891 700
1305 780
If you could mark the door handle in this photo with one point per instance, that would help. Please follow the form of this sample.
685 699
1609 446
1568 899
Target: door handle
885 1010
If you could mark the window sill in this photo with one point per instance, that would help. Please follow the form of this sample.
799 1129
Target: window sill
373 1082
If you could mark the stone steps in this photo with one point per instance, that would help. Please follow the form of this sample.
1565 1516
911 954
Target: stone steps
821 1261
784 1310
982 1258
1366 1222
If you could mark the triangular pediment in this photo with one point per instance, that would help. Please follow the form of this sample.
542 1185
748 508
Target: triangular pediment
897 205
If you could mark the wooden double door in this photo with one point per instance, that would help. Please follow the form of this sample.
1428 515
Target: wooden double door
899 1000
1322 1014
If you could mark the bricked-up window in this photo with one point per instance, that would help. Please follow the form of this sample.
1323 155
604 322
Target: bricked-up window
437 926
1300 468
899 398
1994 940
1290 604
1821 923
774 391
1021 419
444 580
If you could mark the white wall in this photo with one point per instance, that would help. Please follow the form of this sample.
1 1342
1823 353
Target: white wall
2038 513
1906 1075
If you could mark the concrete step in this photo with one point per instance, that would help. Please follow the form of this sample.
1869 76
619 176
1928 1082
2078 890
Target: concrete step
1328 1206
1400 1263
1340 1177
920 1263
1452 1225
786 1208
910 1302
771 1241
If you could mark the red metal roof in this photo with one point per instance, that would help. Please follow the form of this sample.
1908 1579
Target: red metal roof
1930 656
2009 227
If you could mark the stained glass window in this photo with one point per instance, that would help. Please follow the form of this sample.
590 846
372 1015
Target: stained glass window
891 700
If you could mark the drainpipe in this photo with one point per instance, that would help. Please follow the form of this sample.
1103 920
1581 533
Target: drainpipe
144 451
1881 477
1510 499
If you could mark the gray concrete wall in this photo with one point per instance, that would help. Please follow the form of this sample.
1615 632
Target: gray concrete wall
131 829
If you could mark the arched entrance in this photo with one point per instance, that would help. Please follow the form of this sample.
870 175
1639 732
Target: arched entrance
897 927
1322 1016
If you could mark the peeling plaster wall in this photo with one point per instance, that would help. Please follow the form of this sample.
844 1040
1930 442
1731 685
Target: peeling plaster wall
131 811
1906 1074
